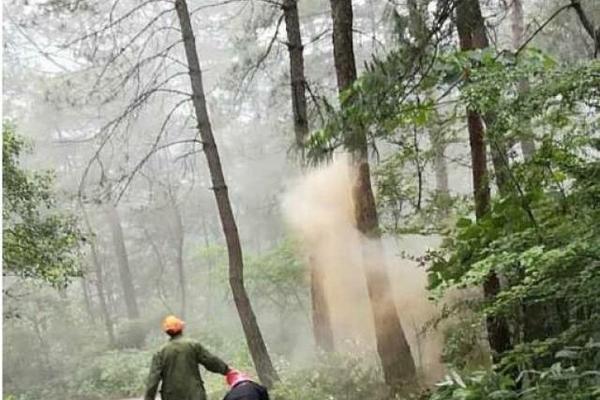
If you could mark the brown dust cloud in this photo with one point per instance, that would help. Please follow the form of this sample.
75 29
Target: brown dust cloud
318 209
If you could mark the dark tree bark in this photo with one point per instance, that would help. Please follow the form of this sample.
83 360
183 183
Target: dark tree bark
499 153
343 48
297 78
518 38
122 260
392 346
471 32
588 25
419 168
256 344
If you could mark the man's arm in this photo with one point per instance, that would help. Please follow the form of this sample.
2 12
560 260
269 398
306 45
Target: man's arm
153 377
209 361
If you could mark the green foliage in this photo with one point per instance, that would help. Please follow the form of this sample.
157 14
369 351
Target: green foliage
47 345
464 347
112 374
396 192
132 334
39 242
541 237
574 375
398 94
277 276
274 278
405 206
377 102
276 283
333 377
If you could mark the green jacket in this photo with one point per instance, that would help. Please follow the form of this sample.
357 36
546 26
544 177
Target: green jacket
176 365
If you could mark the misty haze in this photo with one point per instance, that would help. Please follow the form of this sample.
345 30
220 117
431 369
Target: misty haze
301 199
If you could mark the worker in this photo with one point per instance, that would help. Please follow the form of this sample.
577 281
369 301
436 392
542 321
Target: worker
241 387
176 365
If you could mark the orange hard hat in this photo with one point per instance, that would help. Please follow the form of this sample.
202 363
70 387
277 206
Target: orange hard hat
172 324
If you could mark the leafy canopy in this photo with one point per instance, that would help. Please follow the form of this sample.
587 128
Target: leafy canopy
39 241
541 237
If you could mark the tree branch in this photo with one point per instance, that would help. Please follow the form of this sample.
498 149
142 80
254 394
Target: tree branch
112 23
587 25
155 148
109 129
264 56
541 27
129 43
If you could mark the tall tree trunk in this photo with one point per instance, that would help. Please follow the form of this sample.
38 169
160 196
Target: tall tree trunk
518 38
322 330
419 167
440 166
256 344
321 320
99 283
471 32
535 315
392 346
122 260
297 79
499 153
343 48
210 264
86 297
417 26
179 235
108 323
588 25
160 263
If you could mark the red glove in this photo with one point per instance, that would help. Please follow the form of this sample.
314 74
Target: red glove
233 377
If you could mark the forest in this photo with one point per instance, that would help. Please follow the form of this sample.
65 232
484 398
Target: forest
368 199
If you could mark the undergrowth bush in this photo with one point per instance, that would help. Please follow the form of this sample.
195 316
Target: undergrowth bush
112 375
575 375
333 377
